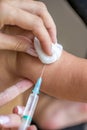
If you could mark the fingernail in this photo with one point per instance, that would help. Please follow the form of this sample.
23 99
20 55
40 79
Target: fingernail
24 83
15 110
20 110
54 40
50 50
4 120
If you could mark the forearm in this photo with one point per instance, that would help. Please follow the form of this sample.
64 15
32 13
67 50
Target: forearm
66 78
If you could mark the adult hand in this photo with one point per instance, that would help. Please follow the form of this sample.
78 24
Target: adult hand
29 15
12 122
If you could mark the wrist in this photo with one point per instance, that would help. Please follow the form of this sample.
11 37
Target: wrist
68 78
58 76
65 79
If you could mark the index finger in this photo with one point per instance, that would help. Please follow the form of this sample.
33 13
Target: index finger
39 8
14 91
28 21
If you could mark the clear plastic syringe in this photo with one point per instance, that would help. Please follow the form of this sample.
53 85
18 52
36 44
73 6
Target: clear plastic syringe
30 106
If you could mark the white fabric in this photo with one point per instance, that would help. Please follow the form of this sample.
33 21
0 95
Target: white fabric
56 52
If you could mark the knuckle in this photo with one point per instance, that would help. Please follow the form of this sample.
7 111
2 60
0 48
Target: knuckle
42 6
37 23
12 16
3 7
7 12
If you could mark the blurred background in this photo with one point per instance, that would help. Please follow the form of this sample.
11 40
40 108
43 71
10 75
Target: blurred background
72 31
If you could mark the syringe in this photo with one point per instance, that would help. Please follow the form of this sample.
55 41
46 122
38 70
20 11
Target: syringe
30 106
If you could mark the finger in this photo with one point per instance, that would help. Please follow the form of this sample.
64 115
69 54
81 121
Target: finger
18 110
39 9
16 43
10 121
28 21
14 91
32 128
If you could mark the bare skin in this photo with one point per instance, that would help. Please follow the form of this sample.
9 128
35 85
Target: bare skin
10 76
53 106
18 66
69 67
7 93
26 15
59 79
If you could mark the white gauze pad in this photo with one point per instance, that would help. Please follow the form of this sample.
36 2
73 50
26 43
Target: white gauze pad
56 52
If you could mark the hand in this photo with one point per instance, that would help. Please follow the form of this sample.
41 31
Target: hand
7 78
12 122
28 15
20 85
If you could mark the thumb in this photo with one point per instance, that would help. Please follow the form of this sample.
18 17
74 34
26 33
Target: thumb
17 43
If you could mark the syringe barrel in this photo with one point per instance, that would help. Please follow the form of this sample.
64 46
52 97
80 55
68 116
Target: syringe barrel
31 105
29 111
